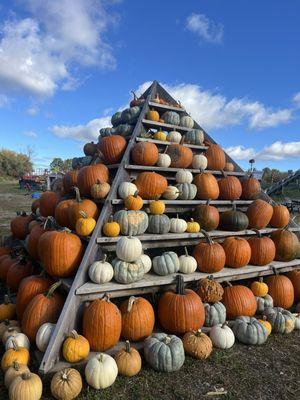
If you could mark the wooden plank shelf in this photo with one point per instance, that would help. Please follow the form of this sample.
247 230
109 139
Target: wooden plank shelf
193 202
172 170
152 282
166 143
165 107
155 124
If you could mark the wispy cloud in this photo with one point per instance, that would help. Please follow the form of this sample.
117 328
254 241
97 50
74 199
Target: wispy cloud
31 134
206 29
32 111
4 100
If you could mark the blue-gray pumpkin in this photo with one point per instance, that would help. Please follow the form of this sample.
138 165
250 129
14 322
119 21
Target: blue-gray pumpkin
124 130
127 272
263 303
132 223
159 224
166 264
116 118
249 331
130 115
282 320
194 136
215 313
164 353
187 121
171 117
187 191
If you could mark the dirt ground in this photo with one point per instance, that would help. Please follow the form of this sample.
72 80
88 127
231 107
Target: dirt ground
270 372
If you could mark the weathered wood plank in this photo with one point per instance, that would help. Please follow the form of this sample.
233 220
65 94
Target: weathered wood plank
166 143
165 107
166 127
193 202
172 170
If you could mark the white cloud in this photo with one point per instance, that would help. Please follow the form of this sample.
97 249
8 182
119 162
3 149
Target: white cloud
31 134
89 131
280 150
205 28
4 100
240 152
37 53
296 100
32 111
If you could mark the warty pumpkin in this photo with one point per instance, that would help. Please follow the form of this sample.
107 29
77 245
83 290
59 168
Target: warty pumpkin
112 148
75 347
87 206
150 185
144 153
280 217
197 345
239 301
215 158
207 216
102 324
262 249
89 175
181 156
7 309
48 203
19 225
42 308
180 311
259 214
209 290
281 290
128 360
66 384
294 276
250 188
70 180
207 186
210 255
286 244
237 251
230 187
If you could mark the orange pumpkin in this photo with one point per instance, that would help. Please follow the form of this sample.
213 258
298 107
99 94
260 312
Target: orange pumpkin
70 180
102 324
281 290
89 175
19 225
81 205
207 216
137 318
144 153
4 250
48 203
230 188
181 311
280 217
286 244
215 158
62 212
294 277
16 273
35 205
41 309
152 115
262 250
5 265
239 301
238 252
250 188
60 252
210 255
207 186
181 156
150 185
259 214
112 148
34 237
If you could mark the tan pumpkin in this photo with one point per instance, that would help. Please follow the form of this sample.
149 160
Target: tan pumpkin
66 384
128 360
27 386
197 345
209 290
100 190
12 372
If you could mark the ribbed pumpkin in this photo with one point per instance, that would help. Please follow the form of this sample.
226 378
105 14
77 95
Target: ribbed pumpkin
100 190
75 347
60 252
87 206
294 277
233 220
137 318
250 188
90 149
239 301
259 214
28 289
112 148
229 167
230 187
70 180
102 324
48 203
7 309
34 237
181 311
281 290
41 309
262 249
280 217
150 185
207 186
128 360
209 290
144 153
17 272
210 255
62 212
133 202
238 252
181 156
286 244
215 158
19 225
5 264
89 175
207 216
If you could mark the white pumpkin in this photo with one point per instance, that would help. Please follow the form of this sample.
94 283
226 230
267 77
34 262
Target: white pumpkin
129 248
20 339
164 160
171 193
199 161
177 225
43 336
126 188
187 121
184 176
101 271
101 371
145 261
222 336
187 263
297 322
174 137
10 332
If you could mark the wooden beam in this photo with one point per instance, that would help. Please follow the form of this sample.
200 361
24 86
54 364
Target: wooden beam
165 107
166 143
172 170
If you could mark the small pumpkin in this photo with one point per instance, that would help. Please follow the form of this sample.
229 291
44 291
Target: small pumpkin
166 264
20 339
263 303
184 176
171 117
229 167
157 207
10 332
126 189
101 371
187 191
133 202
127 272
101 271
128 248
187 121
66 384
210 255
75 347
145 261
152 115
100 190
19 354
192 226
222 336
164 160
85 225
199 162
209 290
171 193
43 336
197 345
259 288
187 263
12 372
160 135
195 136
111 228
7 324
89 175
177 225
159 224
128 360
26 386
7 309
249 330
174 137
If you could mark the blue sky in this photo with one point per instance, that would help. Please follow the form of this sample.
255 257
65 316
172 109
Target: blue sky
67 65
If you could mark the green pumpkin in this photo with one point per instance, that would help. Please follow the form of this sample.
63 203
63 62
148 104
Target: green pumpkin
263 303
126 272
233 220
124 130
79 162
159 224
282 320
171 117
187 191
106 132
116 118
195 136
249 331
207 216
164 353
130 115
187 121
215 313
166 264
132 223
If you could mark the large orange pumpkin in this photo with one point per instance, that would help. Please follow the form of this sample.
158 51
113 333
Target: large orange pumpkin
280 217
70 180
137 318
42 308
250 188
150 185
33 238
230 188
239 301
286 244
259 214
207 216
294 276
19 225
216 159
144 153
102 324
48 203
17 272
28 289
210 255
281 290
89 175
76 207
262 250
112 148
181 311
62 212
238 252
207 186
5 265
181 156
60 252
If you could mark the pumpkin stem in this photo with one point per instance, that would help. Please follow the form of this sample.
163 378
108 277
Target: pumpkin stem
208 202
52 288
225 324
228 283
180 284
106 297
104 258
136 194
16 366
258 233
64 376
26 376
127 346
264 317
207 237
261 279
131 301
186 251
134 95
167 340
100 357
233 206
198 332
83 214
14 344
73 334
224 173
77 192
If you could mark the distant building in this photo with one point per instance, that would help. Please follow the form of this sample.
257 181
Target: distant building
258 175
